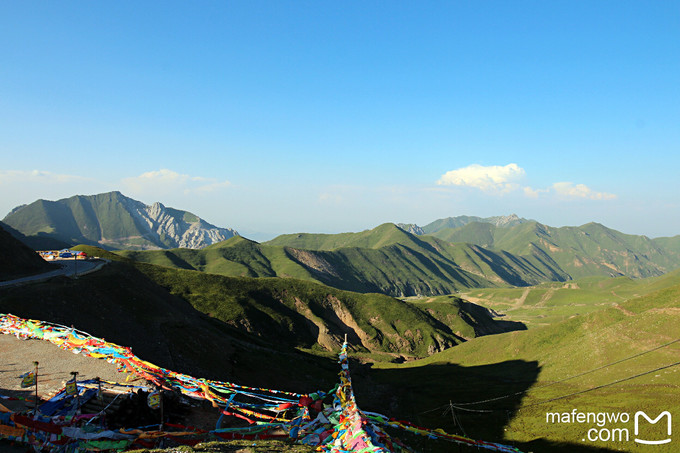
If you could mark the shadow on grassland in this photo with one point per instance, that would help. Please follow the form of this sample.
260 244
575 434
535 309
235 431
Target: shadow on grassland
424 395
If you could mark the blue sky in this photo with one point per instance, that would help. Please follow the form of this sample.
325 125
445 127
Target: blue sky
277 117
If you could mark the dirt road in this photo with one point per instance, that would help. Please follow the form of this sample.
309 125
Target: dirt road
69 268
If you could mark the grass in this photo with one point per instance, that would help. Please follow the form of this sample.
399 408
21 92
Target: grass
588 250
546 355
386 260
553 302
302 314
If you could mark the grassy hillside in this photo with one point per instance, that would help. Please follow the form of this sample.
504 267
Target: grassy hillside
181 318
584 251
380 236
541 360
134 305
79 219
386 260
552 302
298 313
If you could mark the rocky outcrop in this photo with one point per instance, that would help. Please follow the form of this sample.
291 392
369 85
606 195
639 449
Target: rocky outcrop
174 228
504 221
411 228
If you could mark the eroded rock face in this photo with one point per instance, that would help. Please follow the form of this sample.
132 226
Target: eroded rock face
187 231
411 228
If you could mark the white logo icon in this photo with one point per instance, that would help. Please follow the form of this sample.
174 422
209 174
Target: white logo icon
652 442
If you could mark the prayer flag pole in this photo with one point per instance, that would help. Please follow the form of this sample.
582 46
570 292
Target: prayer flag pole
75 383
36 387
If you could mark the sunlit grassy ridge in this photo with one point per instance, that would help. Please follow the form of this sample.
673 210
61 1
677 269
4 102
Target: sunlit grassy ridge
386 260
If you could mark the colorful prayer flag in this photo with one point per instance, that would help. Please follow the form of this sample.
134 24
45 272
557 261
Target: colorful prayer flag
28 379
71 388
154 400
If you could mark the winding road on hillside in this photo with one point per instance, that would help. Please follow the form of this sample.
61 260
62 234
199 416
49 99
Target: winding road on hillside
68 268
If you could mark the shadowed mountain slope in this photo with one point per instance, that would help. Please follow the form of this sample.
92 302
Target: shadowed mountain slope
124 306
17 260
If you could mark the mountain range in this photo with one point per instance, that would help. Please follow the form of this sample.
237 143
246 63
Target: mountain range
114 221
385 259
443 257
459 221
283 311
590 249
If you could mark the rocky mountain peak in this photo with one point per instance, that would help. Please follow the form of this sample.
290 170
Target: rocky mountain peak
507 220
181 229
411 228
156 210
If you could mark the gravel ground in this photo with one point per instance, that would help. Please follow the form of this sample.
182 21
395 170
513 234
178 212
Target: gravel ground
54 368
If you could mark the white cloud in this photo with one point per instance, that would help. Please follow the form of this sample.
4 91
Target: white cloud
169 181
534 193
504 179
492 178
571 190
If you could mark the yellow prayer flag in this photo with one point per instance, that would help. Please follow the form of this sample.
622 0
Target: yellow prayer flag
71 388
27 379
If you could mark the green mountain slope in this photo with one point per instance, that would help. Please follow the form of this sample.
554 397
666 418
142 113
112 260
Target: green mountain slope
252 331
380 236
126 307
460 221
386 260
304 314
588 250
76 218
